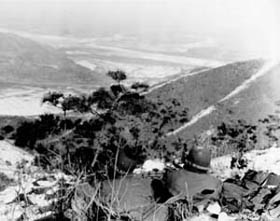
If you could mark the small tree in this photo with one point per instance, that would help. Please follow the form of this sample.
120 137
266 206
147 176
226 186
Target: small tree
102 98
52 97
117 75
70 103
140 86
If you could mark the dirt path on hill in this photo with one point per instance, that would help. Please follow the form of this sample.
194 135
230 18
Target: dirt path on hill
264 70
188 74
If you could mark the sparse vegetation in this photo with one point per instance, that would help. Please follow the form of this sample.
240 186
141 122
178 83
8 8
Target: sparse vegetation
272 129
118 124
122 122
236 136
209 86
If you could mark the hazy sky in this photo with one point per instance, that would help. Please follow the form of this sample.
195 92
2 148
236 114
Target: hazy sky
254 21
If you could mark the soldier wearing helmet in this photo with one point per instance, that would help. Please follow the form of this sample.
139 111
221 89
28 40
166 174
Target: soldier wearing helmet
193 180
139 195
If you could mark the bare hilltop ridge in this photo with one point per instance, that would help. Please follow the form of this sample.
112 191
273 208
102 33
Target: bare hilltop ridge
52 165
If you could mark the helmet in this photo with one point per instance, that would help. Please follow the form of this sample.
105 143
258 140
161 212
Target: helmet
199 158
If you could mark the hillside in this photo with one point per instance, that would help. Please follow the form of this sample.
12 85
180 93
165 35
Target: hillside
199 91
23 61
257 101
243 90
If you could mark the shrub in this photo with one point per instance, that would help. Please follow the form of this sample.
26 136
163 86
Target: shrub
7 129
235 136
31 131
272 129
26 135
140 87
117 75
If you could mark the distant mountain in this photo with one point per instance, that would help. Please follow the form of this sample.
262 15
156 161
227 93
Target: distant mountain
24 61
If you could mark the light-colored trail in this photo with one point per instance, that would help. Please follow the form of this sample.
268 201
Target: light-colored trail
264 70
176 79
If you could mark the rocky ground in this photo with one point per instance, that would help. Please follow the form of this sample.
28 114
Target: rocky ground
29 192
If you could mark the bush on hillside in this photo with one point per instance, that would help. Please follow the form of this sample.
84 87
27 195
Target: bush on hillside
272 129
30 131
236 135
7 129
140 87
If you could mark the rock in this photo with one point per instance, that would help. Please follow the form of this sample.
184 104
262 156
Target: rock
275 213
224 217
51 192
45 183
257 177
201 217
272 180
274 199
214 208
8 195
11 212
39 200
48 216
200 208
250 185
267 217
233 195
259 199
150 165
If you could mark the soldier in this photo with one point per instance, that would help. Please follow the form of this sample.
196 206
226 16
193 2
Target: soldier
141 197
193 180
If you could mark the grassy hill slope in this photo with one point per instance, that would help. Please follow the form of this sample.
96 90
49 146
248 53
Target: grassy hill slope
256 102
202 90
